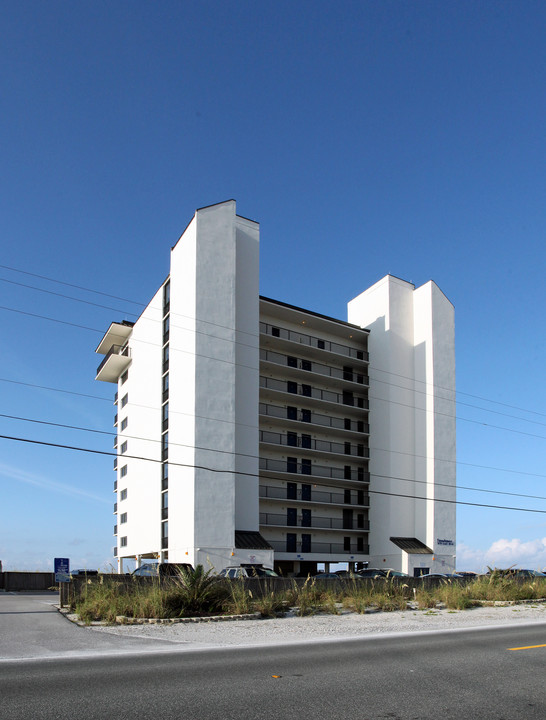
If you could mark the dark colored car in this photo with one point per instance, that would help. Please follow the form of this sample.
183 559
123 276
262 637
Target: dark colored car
372 573
83 573
246 571
162 569
326 576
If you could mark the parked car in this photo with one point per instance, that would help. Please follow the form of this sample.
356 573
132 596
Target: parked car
83 573
326 576
161 569
372 573
394 573
443 576
467 573
246 571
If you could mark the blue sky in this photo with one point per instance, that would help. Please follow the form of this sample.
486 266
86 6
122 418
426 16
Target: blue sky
365 137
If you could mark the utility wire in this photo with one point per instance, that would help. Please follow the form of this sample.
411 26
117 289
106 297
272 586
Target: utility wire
371 367
253 457
232 422
255 475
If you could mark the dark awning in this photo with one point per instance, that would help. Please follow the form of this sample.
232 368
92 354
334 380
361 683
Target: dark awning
248 540
411 545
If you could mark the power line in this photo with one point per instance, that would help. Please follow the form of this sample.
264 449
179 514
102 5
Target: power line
371 367
255 475
232 422
253 457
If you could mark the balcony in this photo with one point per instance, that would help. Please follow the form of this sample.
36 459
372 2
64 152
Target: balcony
313 418
288 362
305 442
116 361
313 342
323 523
312 495
318 548
312 393
311 471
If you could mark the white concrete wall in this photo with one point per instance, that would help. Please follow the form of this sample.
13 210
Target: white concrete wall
411 356
143 436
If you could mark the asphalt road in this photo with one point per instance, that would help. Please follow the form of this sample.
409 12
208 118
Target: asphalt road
462 674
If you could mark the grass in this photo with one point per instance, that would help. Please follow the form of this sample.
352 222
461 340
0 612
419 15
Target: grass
200 593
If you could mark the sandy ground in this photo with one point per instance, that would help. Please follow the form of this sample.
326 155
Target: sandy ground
316 627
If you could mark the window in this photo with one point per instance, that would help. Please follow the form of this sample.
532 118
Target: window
320 344
290 542
165 416
123 494
347 373
306 467
360 497
348 398
124 423
291 491
164 534
347 497
347 448
306 416
291 413
347 474
291 516
347 423
166 326
165 387
305 543
123 378
123 448
291 465
165 358
166 294
164 476
276 332
123 541
292 387
347 544
360 520
123 471
164 506
124 400
306 365
360 425
306 518
306 390
306 441
123 518
306 492
360 544
292 439
164 446
291 361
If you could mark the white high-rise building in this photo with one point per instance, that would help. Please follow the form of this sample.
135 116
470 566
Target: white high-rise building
252 431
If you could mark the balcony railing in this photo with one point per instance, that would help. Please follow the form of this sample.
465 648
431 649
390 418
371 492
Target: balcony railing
286 386
313 418
319 547
315 342
312 495
308 443
314 471
324 523
114 350
315 367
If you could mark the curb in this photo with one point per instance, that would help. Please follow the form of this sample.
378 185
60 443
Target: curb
123 620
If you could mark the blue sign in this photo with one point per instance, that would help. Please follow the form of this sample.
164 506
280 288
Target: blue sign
62 569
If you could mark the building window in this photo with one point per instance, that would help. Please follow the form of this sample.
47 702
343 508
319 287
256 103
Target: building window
164 506
292 387
291 516
291 413
305 467
123 378
305 543
123 448
291 491
166 295
123 471
306 518
347 497
290 542
306 492
347 544
306 416
306 390
360 497
306 441
360 544
320 344
164 445
124 400
123 541
292 361
123 518
276 332
165 387
123 494
164 476
164 535
292 439
166 327
165 358
306 365
124 423
291 465
347 474
347 448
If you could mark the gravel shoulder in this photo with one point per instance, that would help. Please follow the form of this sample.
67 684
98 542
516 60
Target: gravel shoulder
316 627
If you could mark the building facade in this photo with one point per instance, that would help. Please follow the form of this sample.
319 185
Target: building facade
249 430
